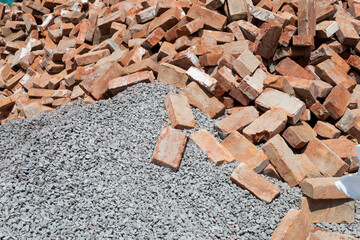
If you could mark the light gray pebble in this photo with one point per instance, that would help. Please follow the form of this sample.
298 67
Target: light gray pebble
85 173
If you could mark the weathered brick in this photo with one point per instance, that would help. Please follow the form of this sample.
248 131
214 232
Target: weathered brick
347 33
299 135
205 80
326 130
91 57
272 98
328 163
306 17
169 148
255 183
267 40
280 83
172 75
244 151
179 111
119 84
322 188
236 121
208 104
252 86
331 73
337 101
269 124
288 67
319 111
328 210
216 153
294 225
246 63
237 10
284 160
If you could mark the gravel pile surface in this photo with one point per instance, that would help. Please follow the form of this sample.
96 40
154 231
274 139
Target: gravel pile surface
85 173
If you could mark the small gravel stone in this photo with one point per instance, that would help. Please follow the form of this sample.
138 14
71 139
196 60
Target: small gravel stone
85 173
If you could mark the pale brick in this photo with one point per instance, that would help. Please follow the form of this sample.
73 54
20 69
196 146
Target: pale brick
272 98
246 64
329 210
236 121
244 151
328 163
216 153
169 148
255 183
179 111
284 160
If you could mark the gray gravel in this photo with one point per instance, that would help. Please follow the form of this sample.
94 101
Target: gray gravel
85 173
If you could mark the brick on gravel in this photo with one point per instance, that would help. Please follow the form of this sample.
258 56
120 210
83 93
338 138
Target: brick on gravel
198 98
179 111
119 84
284 160
245 151
294 225
328 210
169 148
216 153
255 183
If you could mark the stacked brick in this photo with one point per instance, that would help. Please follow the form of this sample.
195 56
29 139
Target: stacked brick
285 73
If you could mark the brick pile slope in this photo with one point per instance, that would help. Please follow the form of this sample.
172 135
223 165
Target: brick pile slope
286 72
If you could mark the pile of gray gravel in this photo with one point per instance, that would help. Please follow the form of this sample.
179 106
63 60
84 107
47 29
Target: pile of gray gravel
85 173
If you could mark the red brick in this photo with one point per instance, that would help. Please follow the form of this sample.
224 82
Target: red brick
226 79
322 188
319 111
269 124
280 83
288 67
169 148
329 210
212 19
337 101
306 17
326 130
347 33
267 40
154 38
331 73
91 57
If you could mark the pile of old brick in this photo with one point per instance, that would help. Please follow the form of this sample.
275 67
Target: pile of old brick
285 70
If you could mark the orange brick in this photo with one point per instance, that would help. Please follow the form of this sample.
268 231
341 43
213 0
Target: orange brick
179 111
169 148
244 151
121 83
216 153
